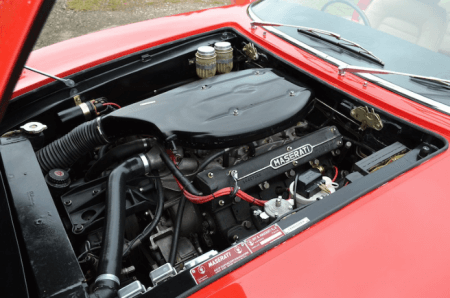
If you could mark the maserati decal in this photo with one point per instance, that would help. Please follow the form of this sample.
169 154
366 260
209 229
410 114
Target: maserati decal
291 156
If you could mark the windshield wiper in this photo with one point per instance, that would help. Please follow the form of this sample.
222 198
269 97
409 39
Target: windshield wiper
348 44
356 69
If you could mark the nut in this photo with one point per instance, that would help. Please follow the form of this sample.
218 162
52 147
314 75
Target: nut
210 175
221 202
289 148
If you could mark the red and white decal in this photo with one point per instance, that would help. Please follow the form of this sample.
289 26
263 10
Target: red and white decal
220 262
264 238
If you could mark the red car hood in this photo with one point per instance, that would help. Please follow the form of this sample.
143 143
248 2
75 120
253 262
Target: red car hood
392 242
20 25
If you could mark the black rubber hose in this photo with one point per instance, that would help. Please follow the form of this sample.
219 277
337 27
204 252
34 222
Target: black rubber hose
176 172
176 231
110 263
158 214
64 152
116 154
206 162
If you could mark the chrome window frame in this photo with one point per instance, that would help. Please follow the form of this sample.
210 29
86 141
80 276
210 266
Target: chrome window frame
369 77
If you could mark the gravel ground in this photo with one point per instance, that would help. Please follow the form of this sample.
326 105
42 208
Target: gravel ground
64 23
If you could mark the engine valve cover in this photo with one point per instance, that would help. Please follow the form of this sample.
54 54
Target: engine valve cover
223 111
270 164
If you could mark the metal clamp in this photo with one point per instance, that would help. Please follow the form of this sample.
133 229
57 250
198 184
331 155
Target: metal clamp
100 130
234 175
145 162
108 277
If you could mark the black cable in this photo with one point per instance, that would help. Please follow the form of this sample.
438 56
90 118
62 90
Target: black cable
159 210
358 144
177 173
176 232
207 161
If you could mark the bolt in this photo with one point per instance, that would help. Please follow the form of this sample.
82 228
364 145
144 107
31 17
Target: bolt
339 143
352 113
38 222
333 129
264 33
79 228
278 203
210 175
289 148
68 203
257 72
276 214
141 189
254 27
365 84
295 163
203 214
94 192
204 87
221 202
316 162
266 185
257 212
348 145
290 207
292 173
235 237
236 112
291 93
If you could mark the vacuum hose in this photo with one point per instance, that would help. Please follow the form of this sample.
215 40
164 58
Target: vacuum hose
110 265
65 151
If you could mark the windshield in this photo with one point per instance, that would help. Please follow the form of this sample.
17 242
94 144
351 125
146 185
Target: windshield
409 36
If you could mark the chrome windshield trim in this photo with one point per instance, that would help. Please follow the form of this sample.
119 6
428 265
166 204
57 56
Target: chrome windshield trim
369 77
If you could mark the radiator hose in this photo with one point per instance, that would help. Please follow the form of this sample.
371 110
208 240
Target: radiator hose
65 151
116 154
110 264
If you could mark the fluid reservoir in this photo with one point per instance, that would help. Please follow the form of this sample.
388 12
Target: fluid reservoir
224 53
205 62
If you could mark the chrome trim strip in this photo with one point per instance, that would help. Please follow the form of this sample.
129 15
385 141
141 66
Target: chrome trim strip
108 277
374 79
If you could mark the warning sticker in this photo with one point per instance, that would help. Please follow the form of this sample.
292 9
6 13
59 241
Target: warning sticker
220 262
264 238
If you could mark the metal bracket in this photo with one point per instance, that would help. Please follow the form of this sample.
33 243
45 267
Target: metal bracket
367 118
250 50
77 100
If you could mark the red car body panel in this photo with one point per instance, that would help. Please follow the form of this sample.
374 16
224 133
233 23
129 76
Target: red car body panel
392 242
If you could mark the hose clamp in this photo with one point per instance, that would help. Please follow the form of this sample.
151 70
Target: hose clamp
145 162
108 277
100 131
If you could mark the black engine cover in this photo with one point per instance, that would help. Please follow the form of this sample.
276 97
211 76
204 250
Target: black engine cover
226 110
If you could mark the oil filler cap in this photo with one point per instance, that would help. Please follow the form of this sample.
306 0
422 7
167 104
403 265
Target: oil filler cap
58 178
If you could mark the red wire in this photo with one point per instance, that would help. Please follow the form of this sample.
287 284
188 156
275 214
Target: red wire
222 192
346 183
336 173
112 104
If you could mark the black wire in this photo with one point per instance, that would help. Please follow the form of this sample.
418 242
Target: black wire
207 161
88 251
148 229
176 232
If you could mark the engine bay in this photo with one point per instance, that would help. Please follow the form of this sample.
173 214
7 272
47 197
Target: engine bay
250 156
